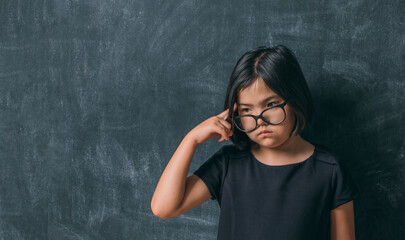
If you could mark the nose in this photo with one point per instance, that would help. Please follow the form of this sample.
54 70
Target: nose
260 122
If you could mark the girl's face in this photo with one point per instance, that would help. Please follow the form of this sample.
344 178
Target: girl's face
253 100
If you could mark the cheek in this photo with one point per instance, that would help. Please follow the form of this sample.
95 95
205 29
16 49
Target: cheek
289 123
290 116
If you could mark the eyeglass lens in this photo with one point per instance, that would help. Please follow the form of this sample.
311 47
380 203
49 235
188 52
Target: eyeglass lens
272 115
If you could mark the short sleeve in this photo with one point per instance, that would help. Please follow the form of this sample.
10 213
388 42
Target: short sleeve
212 172
344 189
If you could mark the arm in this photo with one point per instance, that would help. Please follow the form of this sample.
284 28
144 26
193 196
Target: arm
170 190
342 222
176 193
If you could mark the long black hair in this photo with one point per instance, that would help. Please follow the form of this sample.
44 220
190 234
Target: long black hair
280 70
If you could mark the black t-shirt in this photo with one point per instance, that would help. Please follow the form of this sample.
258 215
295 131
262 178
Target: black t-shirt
287 202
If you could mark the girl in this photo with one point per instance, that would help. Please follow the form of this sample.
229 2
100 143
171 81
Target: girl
270 183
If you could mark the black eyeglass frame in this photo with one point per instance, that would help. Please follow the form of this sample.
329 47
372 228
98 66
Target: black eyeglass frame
256 117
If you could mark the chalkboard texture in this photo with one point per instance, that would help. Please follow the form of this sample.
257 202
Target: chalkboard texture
95 97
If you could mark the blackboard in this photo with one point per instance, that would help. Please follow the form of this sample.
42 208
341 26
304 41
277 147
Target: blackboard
95 97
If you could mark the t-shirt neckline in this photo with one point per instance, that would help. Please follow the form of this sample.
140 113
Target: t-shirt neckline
285 165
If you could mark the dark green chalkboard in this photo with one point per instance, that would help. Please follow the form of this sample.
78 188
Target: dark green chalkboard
96 95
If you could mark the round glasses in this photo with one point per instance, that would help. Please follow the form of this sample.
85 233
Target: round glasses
273 115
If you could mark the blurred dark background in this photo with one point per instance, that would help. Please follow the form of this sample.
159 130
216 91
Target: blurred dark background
95 97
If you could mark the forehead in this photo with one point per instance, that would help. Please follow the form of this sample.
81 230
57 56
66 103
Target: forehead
255 92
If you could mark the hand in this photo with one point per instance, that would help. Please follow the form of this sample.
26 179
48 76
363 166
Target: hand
213 127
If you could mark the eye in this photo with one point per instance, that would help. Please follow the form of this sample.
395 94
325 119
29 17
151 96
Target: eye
275 103
271 104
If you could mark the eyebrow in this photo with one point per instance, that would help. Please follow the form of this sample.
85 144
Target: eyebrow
264 100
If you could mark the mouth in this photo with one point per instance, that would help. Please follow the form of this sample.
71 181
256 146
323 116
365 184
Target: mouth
265 133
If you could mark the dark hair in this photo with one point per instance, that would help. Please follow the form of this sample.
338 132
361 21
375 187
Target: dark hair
280 70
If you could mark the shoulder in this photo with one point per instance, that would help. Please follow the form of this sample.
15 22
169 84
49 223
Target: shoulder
325 155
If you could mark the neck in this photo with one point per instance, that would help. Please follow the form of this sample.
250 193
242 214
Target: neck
292 147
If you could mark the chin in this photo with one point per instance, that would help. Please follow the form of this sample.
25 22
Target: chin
270 142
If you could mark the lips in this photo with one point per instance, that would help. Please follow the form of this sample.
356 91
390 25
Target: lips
264 132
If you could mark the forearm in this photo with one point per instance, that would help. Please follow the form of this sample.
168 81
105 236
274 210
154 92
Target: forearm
170 189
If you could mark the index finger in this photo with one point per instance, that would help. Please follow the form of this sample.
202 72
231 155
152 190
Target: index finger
224 114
